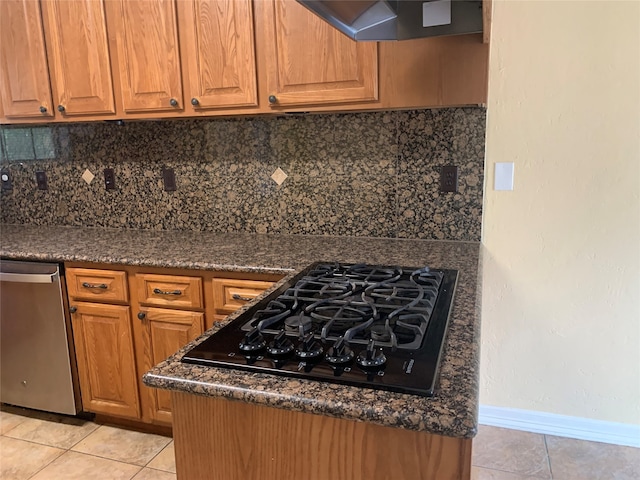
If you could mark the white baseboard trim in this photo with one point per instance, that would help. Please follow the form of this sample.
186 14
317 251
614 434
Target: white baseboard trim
560 425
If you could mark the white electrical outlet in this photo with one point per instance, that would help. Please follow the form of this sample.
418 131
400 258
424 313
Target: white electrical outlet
503 179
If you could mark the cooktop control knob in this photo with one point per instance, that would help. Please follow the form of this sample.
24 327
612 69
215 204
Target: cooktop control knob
371 357
253 342
280 345
339 353
309 349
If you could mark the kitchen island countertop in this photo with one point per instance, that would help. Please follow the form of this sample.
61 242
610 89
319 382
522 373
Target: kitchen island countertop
452 411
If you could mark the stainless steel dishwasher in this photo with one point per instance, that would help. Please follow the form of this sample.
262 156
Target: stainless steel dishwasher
35 359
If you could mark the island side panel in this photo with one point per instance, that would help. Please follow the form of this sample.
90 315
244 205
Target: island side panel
221 439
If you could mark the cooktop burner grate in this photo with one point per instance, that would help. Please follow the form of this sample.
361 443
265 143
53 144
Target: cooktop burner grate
366 325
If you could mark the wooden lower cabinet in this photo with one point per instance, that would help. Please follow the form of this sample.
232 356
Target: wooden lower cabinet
106 364
221 439
166 331
128 319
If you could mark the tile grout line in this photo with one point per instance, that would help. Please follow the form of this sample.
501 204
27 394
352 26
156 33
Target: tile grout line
69 449
65 450
107 458
524 475
154 457
90 433
546 449
52 460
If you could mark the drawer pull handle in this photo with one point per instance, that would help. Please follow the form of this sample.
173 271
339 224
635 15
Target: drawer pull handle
73 309
102 286
157 291
237 296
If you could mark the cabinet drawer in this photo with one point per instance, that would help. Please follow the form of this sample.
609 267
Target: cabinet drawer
97 285
169 290
230 294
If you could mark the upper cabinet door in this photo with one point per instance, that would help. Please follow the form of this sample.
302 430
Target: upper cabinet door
146 35
79 56
219 55
24 85
312 63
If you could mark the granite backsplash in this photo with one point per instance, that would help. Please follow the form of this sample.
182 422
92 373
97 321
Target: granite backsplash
355 174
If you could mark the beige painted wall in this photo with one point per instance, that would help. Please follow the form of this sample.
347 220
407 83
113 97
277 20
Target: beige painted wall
561 298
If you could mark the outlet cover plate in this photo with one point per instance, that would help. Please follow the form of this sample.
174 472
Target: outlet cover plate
169 179
503 179
109 179
41 181
449 178
5 180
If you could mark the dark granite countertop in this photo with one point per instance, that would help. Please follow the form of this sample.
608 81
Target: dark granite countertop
453 411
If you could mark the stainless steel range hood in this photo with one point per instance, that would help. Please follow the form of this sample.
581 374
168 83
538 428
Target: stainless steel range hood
377 20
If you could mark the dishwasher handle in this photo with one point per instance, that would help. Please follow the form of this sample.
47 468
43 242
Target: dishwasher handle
29 277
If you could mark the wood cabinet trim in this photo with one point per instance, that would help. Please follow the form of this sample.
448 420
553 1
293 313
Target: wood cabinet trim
487 13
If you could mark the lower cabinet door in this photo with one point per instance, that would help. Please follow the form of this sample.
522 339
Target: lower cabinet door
106 362
167 331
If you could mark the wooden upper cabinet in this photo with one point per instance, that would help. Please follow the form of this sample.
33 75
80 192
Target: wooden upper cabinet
24 75
76 33
145 33
217 42
310 62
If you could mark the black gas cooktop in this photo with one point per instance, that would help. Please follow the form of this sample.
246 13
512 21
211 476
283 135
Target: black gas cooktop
372 326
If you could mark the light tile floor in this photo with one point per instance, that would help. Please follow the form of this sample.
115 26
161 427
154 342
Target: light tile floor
41 446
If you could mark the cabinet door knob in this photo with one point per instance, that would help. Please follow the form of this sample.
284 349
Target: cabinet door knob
43 109
61 108
73 309
173 102
273 99
195 102
141 315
